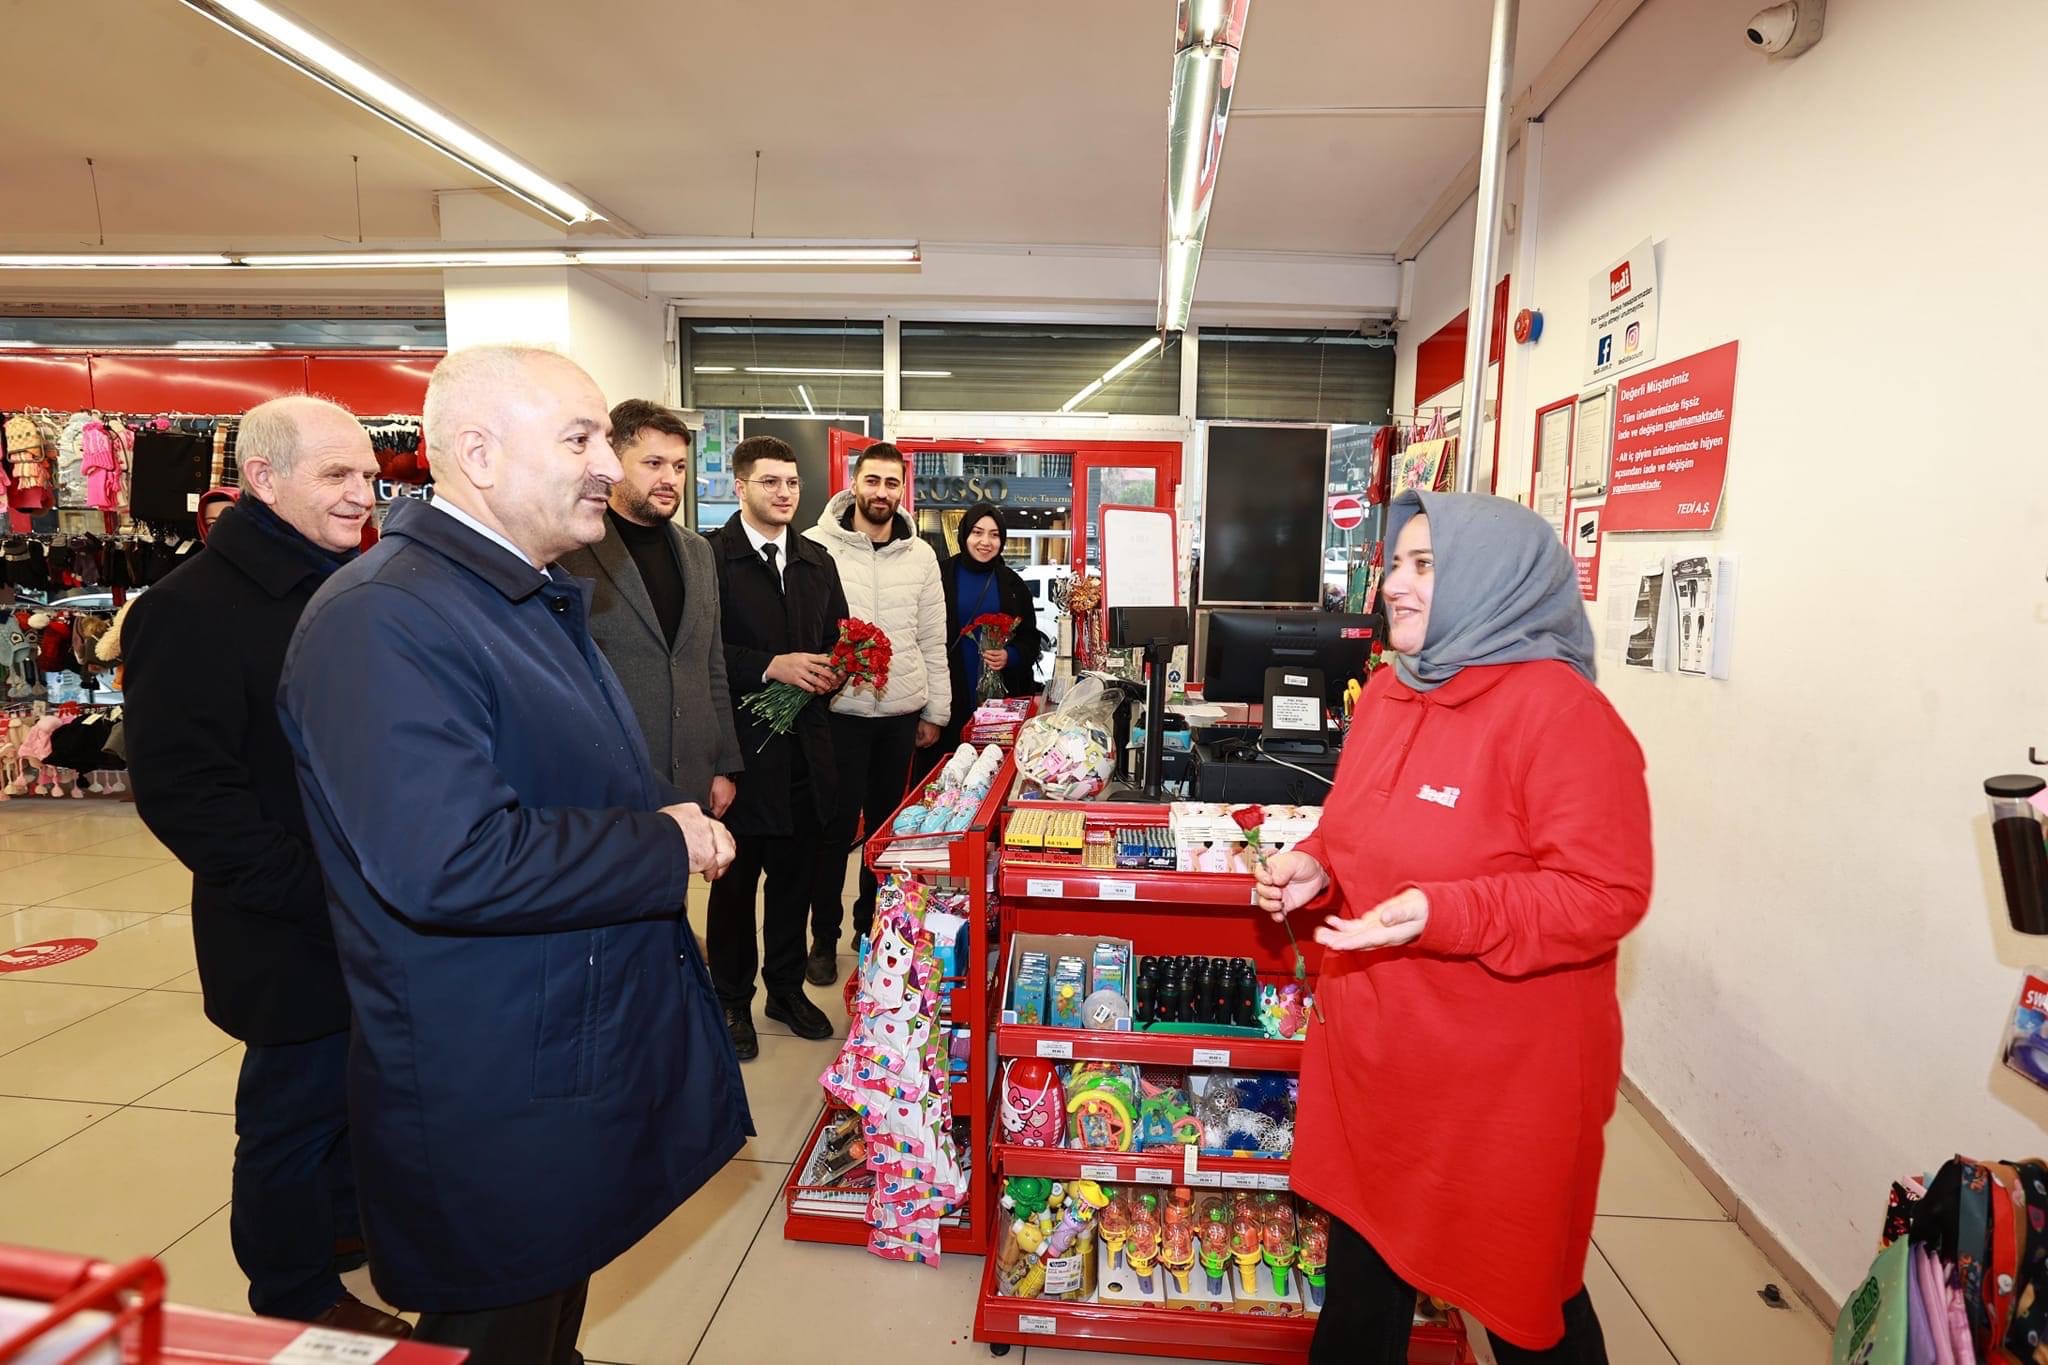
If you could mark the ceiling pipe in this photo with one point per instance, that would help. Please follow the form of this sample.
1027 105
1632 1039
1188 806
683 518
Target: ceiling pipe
1207 39
1493 156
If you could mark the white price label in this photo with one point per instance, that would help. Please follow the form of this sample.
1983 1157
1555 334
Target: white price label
1206 1179
1094 1171
1060 1050
319 1346
1038 1326
1240 1180
1044 888
1117 891
1212 1056
1272 1182
1154 1175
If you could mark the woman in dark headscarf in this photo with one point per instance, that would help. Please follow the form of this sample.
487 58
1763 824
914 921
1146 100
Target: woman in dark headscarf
1485 849
212 503
978 583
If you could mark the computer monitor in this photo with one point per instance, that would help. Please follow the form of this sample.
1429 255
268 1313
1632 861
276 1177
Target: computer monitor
1242 645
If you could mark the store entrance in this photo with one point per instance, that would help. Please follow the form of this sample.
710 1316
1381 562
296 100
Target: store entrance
1051 495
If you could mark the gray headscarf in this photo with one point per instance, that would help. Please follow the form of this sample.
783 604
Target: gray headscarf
1506 591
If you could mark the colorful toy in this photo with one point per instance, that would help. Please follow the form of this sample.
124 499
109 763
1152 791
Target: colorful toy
1315 1256
1247 1244
1216 1250
1027 1196
1279 1246
1145 1240
1283 1010
1032 1103
1177 1249
1113 1225
1069 988
1102 1104
1166 1117
1104 1010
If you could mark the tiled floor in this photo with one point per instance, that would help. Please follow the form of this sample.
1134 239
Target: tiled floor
116 1129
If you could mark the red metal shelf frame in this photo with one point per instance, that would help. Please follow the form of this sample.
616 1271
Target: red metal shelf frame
1144 1048
1180 1332
1144 1168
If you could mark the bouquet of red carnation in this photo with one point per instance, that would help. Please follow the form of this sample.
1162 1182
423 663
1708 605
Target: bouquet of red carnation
990 632
861 656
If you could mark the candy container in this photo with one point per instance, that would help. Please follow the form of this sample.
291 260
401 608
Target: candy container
1145 1237
1032 1103
1280 1250
1315 1256
1247 1244
1216 1250
1177 1249
1084 1197
1180 1207
1113 1225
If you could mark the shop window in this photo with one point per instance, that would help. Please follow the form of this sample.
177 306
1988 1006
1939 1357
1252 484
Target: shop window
1261 375
996 367
773 365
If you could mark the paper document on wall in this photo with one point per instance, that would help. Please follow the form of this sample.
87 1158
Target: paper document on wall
1138 568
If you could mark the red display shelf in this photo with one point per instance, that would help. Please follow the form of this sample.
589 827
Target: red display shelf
1161 1166
1022 881
852 1229
1147 1049
1003 1321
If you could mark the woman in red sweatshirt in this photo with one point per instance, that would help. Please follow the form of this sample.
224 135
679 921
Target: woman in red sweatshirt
1485 849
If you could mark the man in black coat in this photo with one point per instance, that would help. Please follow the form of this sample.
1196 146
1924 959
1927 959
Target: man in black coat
782 603
214 781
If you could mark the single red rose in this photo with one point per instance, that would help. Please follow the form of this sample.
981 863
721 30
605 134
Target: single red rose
1250 818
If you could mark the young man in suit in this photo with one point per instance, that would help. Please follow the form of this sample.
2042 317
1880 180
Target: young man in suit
782 604
654 609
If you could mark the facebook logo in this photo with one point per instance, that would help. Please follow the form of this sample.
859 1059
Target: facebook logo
1606 349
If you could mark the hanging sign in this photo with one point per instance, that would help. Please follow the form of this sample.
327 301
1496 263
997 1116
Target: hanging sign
1622 314
1671 444
48 953
1347 513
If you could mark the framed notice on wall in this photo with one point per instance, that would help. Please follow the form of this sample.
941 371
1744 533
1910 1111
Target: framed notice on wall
1594 443
1140 561
1551 472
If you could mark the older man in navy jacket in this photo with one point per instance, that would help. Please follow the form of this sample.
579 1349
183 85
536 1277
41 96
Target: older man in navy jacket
541 1073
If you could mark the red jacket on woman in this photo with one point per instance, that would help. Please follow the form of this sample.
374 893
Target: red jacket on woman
1453 1101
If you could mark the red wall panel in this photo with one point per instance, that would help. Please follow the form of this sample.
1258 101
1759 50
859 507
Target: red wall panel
372 386
201 384
1440 361
44 381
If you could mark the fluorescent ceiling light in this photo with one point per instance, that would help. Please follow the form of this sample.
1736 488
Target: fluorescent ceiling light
119 260
222 346
713 369
310 54
407 260
816 370
797 254
1110 375
9 344
805 394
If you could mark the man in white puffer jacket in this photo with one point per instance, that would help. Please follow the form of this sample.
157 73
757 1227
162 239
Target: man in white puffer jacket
891 579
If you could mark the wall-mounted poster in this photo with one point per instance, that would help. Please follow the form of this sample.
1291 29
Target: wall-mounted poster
1649 629
1671 428
1550 479
1585 547
1623 303
1702 601
1593 442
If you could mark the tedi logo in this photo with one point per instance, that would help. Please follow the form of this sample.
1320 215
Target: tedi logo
1619 282
1447 797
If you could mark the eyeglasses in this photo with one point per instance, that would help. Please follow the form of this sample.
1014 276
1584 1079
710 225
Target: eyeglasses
794 485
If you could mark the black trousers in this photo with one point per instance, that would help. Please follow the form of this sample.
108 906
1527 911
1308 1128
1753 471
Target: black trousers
1369 1311
874 758
294 1184
543 1332
798 868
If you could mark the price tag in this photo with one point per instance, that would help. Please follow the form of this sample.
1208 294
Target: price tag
1154 1175
319 1346
1094 1171
1272 1182
1039 888
1212 1056
1207 1179
1038 1326
1117 891
1240 1180
1060 1050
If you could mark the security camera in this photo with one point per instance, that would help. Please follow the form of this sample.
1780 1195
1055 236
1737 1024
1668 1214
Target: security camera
1771 29
1782 32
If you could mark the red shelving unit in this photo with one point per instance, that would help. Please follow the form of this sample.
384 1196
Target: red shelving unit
1160 913
964 861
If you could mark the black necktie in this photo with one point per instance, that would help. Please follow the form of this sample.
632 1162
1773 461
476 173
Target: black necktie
768 553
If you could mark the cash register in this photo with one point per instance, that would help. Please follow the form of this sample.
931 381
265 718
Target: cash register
1296 665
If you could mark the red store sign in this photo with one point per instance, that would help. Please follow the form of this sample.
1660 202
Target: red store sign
1671 444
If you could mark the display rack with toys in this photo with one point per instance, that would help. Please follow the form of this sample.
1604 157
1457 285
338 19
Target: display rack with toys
1183 1110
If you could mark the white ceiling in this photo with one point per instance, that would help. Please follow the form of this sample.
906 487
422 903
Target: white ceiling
940 120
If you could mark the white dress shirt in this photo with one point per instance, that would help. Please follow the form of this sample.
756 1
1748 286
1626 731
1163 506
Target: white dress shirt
780 542
486 532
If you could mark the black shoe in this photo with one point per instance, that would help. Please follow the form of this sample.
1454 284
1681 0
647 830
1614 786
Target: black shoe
805 1020
740 1024
821 968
